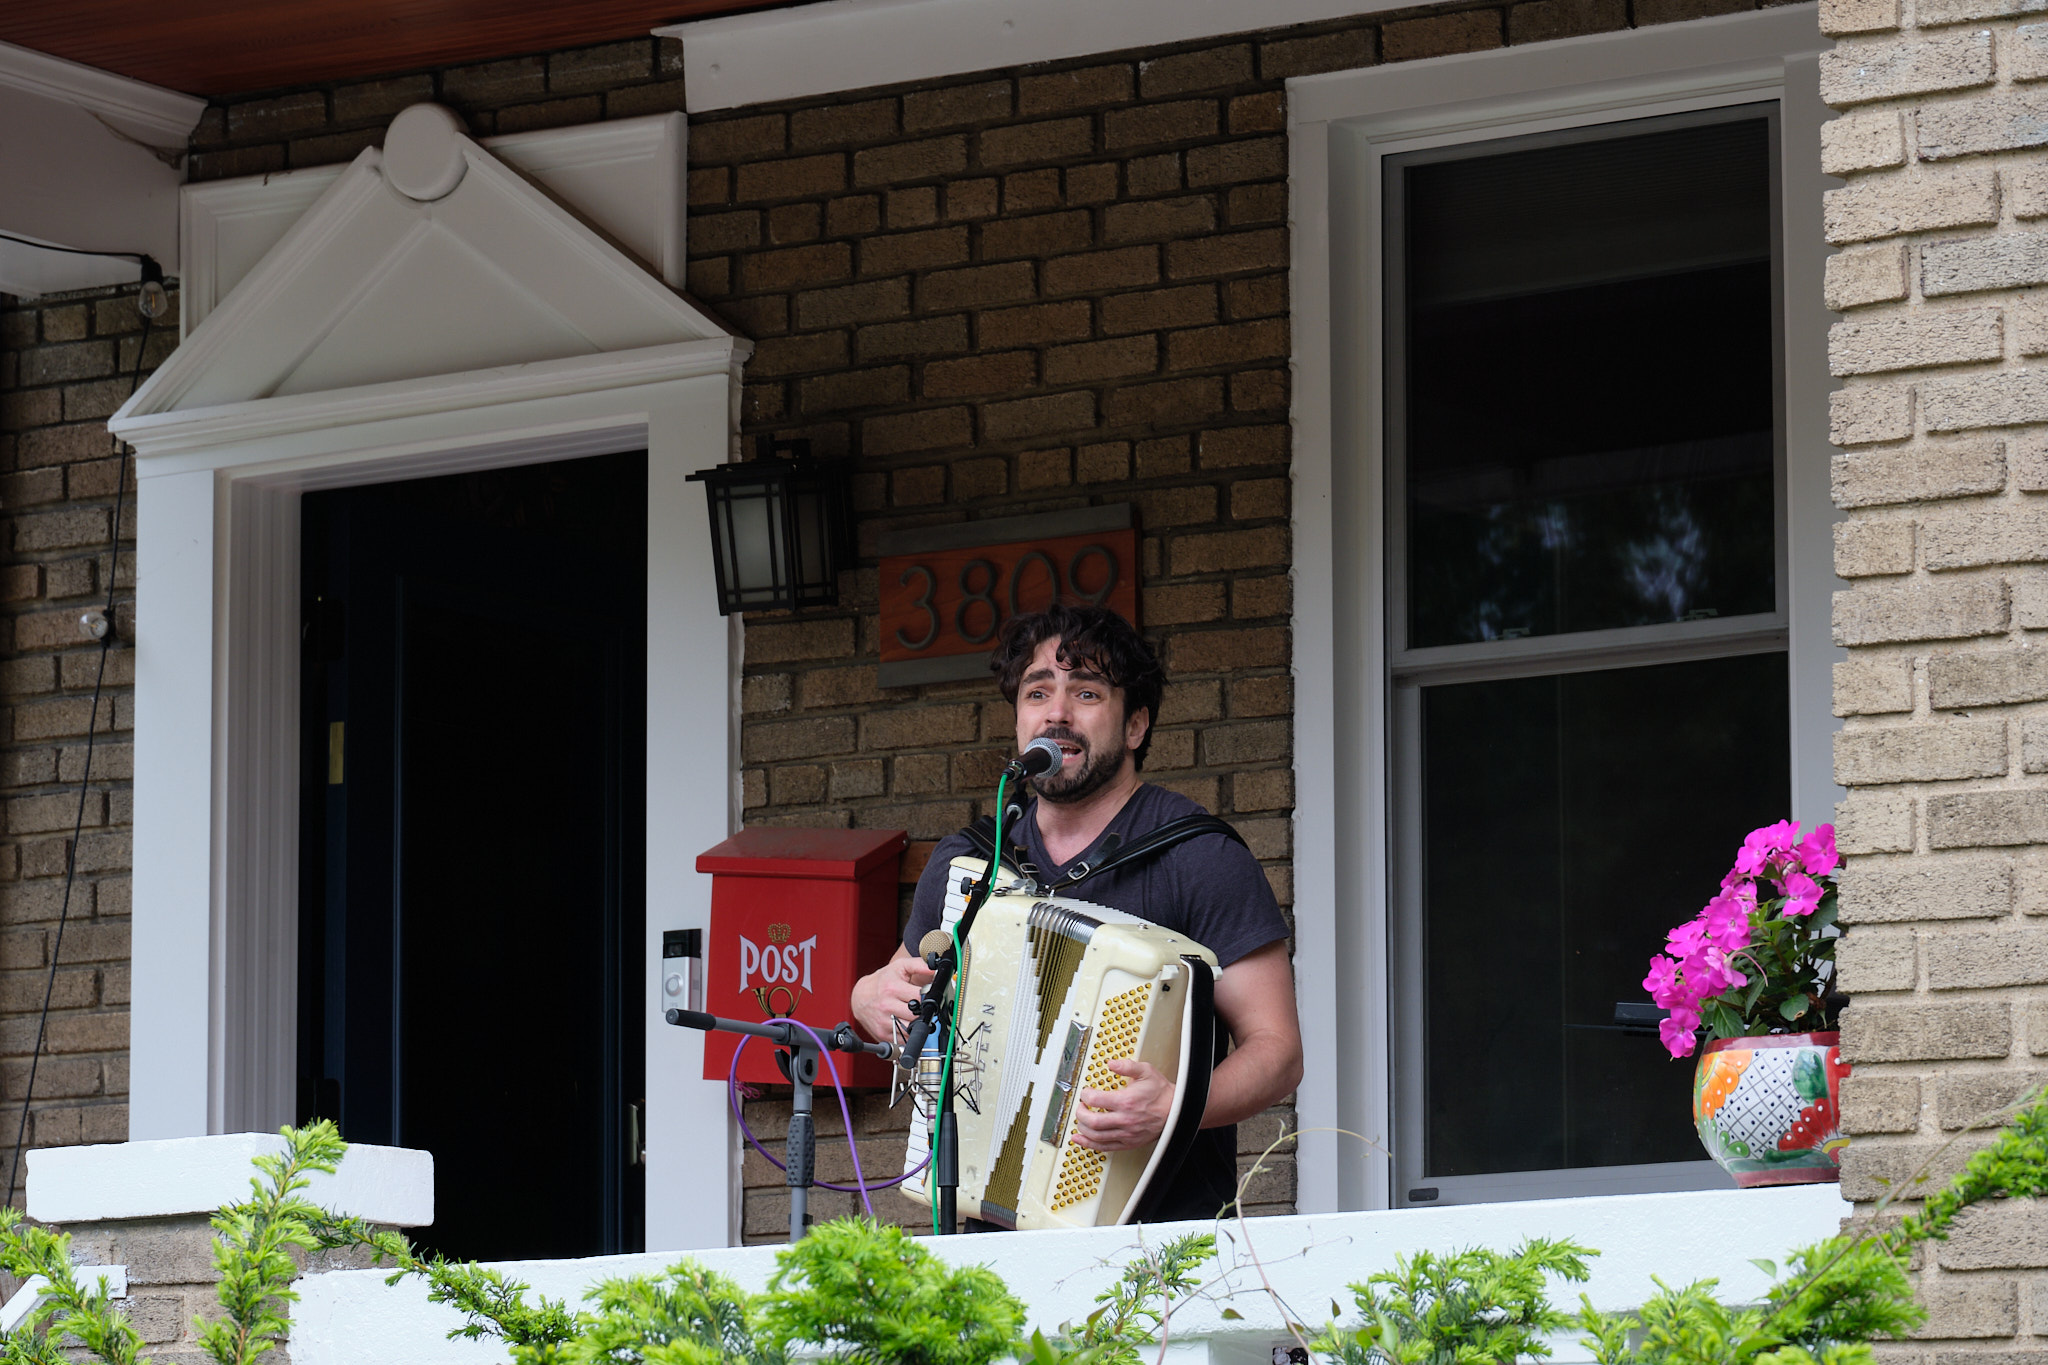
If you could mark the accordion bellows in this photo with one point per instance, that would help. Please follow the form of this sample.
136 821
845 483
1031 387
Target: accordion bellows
1051 991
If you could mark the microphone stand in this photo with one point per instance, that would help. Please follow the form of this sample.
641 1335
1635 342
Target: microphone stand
931 1014
799 1061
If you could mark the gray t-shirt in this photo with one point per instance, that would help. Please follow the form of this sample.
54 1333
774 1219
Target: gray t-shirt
1209 888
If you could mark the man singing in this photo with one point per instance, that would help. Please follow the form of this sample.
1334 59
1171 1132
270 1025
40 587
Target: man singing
1083 677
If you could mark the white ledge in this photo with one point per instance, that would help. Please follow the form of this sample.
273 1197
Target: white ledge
71 1185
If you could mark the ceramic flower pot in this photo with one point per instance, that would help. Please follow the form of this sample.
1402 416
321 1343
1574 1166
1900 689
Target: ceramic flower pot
1768 1109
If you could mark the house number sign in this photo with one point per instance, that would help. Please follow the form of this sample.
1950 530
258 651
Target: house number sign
946 590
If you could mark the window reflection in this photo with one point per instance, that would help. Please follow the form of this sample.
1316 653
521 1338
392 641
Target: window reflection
1589 408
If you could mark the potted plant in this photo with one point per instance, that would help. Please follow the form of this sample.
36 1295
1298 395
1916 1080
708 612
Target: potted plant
1752 975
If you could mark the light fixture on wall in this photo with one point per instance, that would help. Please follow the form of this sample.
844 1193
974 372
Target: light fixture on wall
778 528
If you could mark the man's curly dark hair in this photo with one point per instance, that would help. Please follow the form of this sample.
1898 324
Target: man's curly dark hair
1094 637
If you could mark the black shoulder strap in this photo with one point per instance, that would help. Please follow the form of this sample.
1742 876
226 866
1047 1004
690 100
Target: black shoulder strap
1149 846
982 834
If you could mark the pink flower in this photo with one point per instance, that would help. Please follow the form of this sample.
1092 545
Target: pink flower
1760 844
1802 894
1663 982
1677 1031
1817 851
1688 939
1727 920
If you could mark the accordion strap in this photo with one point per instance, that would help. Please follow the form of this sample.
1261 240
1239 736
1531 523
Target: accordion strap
982 834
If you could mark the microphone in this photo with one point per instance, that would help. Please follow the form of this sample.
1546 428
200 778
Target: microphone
1041 755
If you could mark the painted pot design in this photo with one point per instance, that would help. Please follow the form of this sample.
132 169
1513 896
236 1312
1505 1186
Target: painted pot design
1769 1109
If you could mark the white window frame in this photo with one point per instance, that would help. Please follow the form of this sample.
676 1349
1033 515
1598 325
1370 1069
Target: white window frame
1341 126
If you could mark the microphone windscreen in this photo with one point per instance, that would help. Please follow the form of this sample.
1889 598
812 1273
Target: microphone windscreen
1042 755
937 941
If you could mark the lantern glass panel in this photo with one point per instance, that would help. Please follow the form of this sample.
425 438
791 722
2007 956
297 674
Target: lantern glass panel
755 518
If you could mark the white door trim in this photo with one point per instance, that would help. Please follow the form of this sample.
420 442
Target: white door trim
1337 123
217 719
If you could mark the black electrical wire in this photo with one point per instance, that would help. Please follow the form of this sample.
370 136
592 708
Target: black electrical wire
85 775
72 250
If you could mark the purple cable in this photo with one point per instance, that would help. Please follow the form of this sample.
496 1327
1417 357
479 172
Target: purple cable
860 1185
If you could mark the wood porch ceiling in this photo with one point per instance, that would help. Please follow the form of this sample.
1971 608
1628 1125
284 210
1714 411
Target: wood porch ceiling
224 47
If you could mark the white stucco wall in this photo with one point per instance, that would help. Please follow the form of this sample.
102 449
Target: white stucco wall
352 1318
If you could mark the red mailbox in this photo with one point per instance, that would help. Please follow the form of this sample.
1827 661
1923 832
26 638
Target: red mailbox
797 916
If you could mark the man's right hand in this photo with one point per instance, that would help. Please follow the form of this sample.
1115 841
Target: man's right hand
889 993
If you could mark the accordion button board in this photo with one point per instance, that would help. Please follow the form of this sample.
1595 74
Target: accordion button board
1050 991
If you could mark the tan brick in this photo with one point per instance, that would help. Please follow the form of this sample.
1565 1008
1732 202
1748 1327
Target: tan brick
1045 469
1119 358
1968 537
2034 744
1037 235
1865 275
1104 462
1235 447
874 301
1163 455
1030 191
1971 264
1545 21
1227 253
1143 311
1879 890
1153 124
977 286
1028 417
1250 741
1992 399
917 487
1095 184
777 356
1161 508
1158 219
1441 35
860 777
1969 1306
1877 960
1003 372
1986 678
2027 49
773 642
860 213
1958 960
1880 1104
1261 113
1901 1170
1086 88
1855 73
893 253
955 106
1920 753
1873 686
792 179
1229 551
1033 324
1868 548
1912 200
1915 340
1121 268
1233 163
909 340
1998 1235
903 433
780 740
1185 72
899 162
967 199
1987 819
1883 613
764 694
1967 1098
1924 473
1991 123
1181 603
1312 56
1023 143
1157 174
1169 403
1950 1030
1230 344
1839 18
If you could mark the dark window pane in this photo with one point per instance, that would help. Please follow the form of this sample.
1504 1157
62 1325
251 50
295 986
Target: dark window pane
1586 359
1568 823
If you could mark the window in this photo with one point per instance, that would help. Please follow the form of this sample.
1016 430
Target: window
1586 617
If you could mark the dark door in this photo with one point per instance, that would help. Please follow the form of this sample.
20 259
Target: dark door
472 898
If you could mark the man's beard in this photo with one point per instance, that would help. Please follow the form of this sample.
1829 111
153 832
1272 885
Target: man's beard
1097 771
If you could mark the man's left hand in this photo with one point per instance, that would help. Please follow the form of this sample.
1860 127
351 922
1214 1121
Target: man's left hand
1117 1120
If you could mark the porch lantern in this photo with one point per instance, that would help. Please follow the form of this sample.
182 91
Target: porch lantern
778 528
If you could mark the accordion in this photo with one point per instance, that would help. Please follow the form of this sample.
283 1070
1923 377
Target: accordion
1049 992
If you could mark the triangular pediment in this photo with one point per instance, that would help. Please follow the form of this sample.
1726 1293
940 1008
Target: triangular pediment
384 280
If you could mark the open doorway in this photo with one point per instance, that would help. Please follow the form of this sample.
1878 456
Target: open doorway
472 867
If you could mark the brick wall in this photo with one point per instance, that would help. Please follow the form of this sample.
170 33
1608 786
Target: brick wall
1944 739
66 363
1023 290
